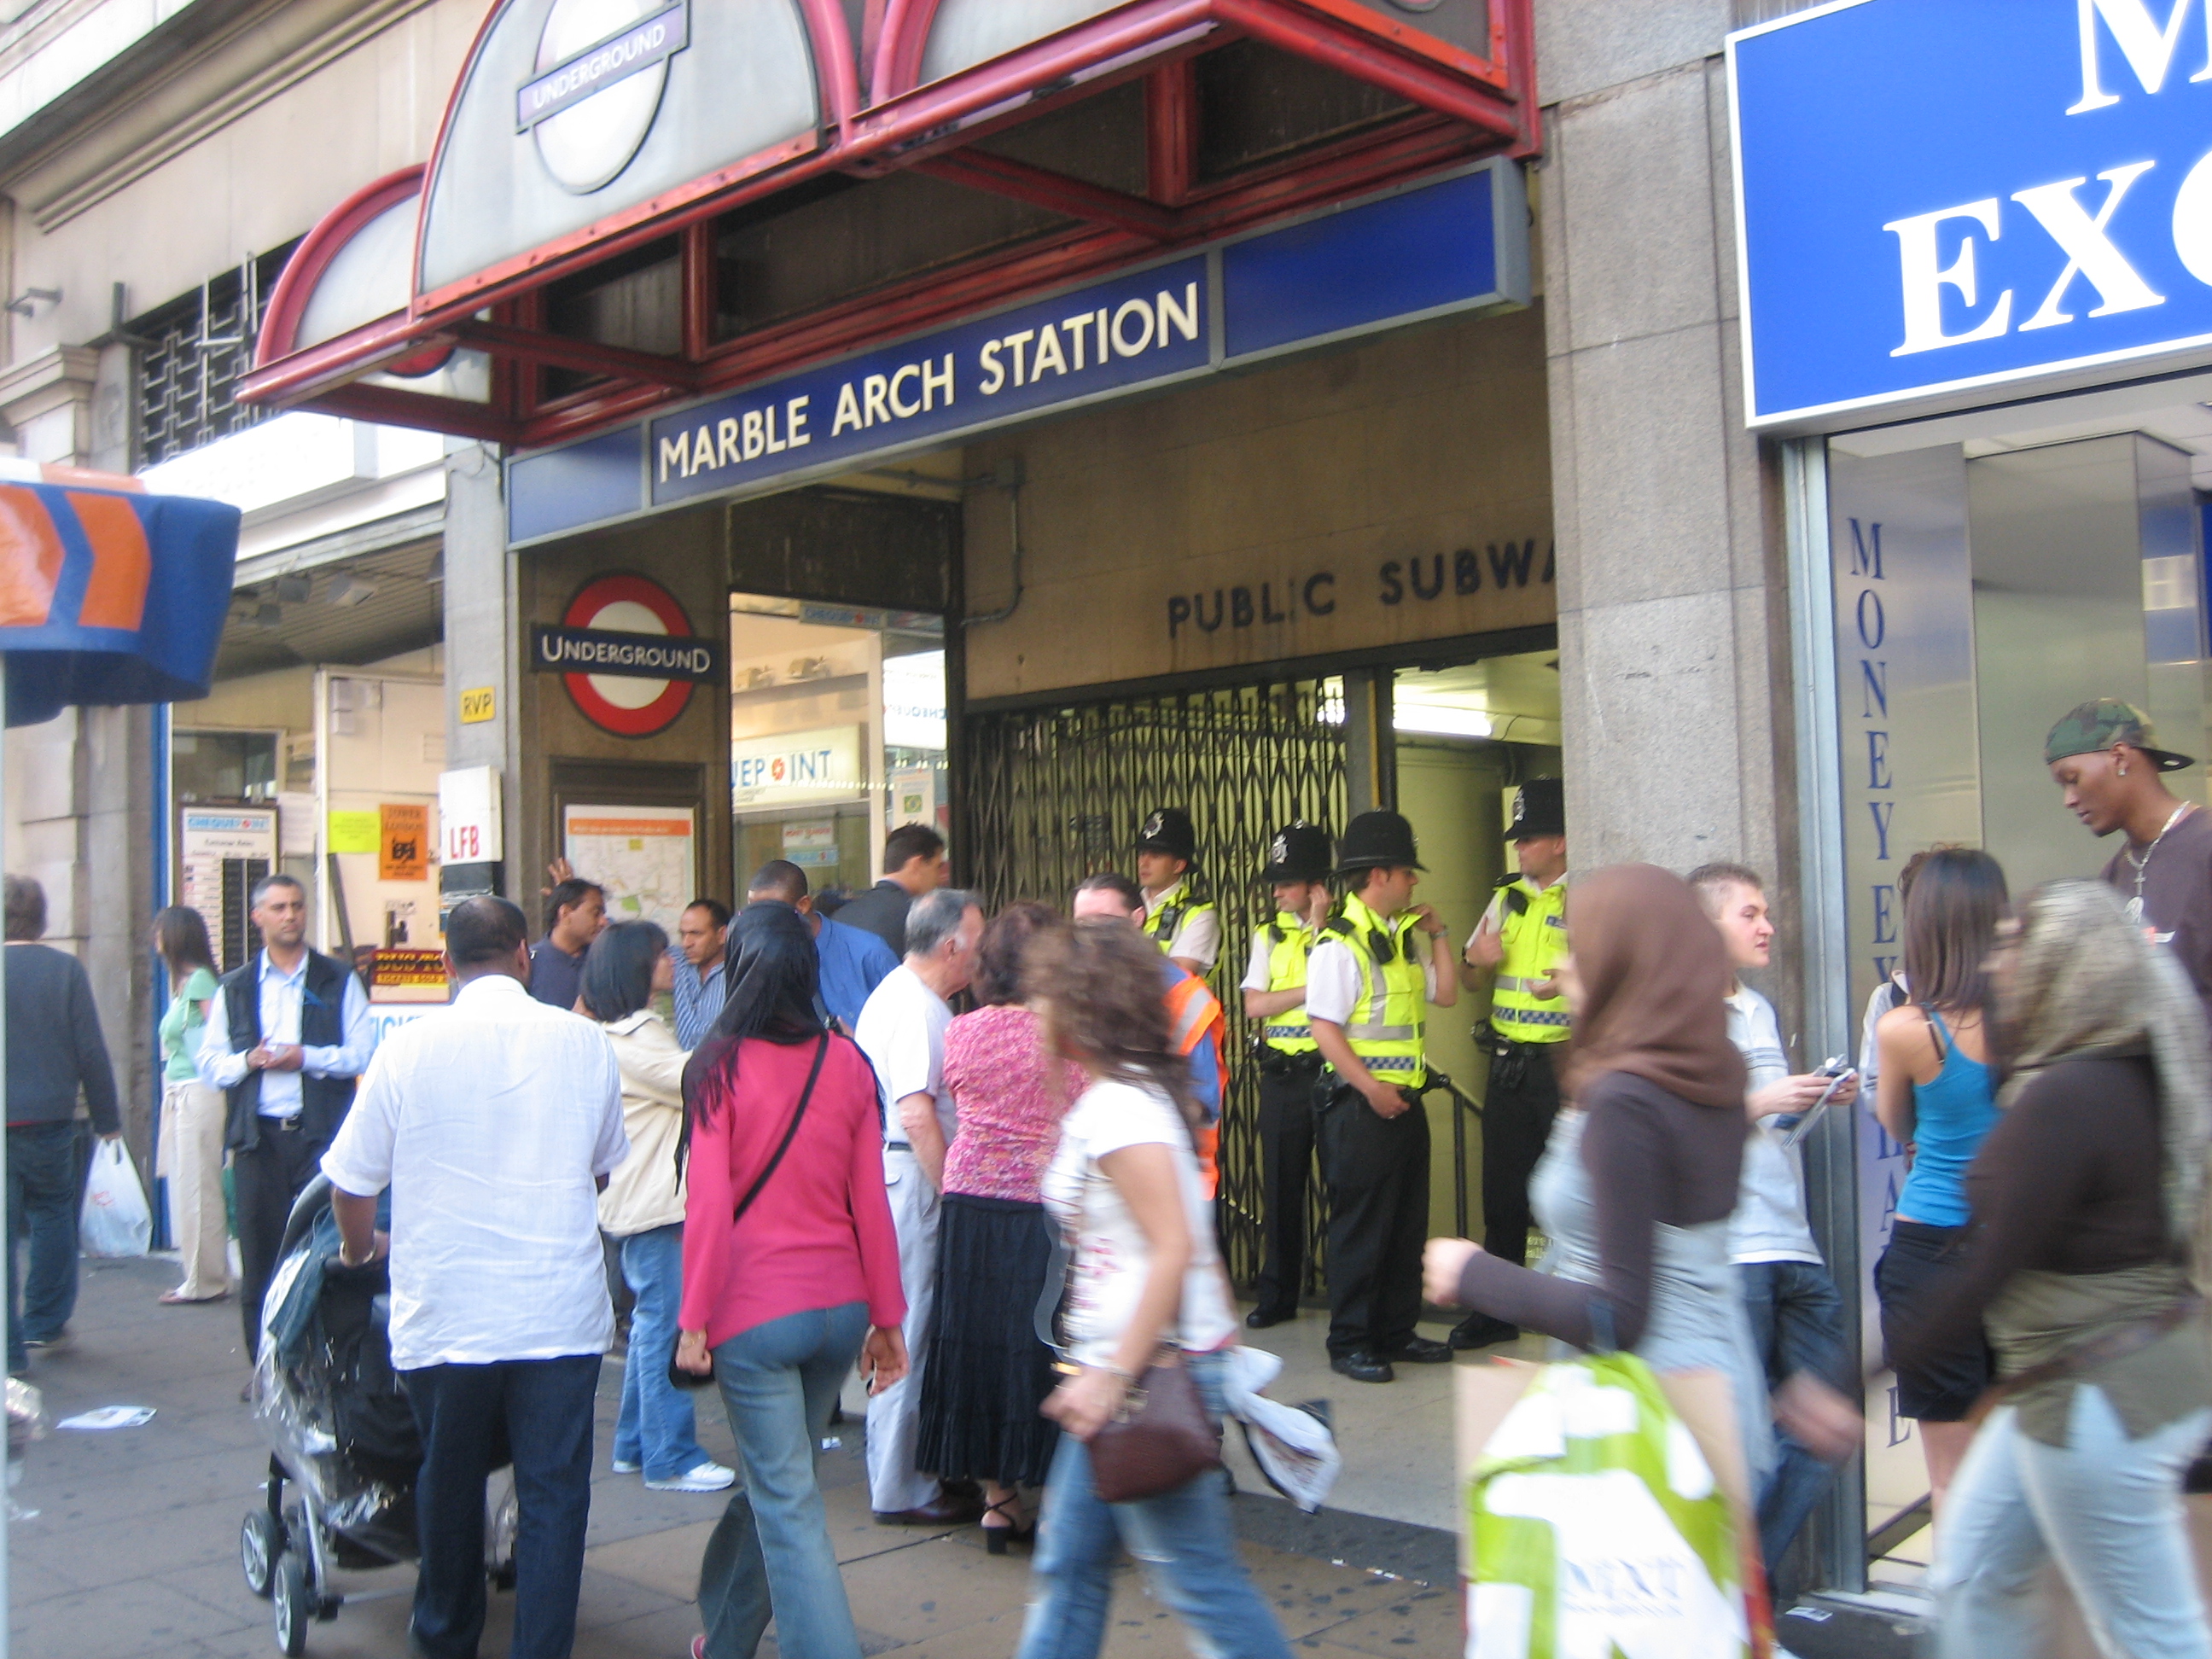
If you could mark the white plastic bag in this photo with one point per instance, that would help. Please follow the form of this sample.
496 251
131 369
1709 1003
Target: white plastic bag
116 1219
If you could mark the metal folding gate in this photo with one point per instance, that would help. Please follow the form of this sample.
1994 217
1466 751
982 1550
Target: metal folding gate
1054 794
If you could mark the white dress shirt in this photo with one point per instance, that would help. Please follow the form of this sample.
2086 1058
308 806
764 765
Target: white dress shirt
901 1032
491 1121
284 997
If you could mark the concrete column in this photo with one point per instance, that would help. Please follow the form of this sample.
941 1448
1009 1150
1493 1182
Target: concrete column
1672 631
481 637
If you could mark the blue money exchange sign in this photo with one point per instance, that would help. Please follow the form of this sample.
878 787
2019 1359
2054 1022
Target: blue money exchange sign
1941 196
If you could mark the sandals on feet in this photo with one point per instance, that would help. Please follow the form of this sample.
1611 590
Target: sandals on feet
995 1539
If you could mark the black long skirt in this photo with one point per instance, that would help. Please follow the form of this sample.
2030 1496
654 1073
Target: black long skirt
986 1373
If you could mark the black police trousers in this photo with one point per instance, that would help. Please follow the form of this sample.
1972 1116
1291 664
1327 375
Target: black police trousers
1287 1153
1376 1172
1517 1109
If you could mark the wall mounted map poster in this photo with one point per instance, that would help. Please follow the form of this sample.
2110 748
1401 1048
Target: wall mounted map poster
642 855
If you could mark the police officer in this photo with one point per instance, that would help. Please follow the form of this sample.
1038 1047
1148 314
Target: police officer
1275 995
1368 980
1520 939
1185 926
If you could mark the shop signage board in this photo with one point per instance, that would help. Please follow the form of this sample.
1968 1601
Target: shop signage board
215 841
792 768
642 855
469 829
1447 247
811 844
397 973
1937 198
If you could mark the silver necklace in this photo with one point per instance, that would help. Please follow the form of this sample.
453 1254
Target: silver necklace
2135 906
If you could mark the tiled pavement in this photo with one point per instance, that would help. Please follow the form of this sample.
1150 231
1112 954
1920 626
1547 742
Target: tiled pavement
134 1549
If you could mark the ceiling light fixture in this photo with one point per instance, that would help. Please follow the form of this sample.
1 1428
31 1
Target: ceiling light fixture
348 589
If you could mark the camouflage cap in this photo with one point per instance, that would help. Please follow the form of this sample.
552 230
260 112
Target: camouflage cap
2102 722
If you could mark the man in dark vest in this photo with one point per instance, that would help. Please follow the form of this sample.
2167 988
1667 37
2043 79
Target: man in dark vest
287 1035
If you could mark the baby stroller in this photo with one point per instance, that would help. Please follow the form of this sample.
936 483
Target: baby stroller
342 1436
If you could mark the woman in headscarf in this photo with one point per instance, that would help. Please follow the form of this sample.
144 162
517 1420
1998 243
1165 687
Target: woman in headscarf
1637 1182
2089 1249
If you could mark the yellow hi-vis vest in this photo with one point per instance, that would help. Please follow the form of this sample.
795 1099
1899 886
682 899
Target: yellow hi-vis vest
1289 1032
1385 1027
1534 932
1175 905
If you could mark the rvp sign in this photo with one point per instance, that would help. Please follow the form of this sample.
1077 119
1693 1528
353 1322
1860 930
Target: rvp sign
1941 196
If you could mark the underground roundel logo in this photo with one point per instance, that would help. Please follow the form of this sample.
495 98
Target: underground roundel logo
628 605
596 82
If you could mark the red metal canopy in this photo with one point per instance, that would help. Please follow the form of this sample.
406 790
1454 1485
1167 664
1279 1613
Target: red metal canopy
911 93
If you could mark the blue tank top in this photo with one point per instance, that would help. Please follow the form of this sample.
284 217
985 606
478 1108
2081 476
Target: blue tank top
1951 1113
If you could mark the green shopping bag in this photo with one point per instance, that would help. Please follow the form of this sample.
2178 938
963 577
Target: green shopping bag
1600 1522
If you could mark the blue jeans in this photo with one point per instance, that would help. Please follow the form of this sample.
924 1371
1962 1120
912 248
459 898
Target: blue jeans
2106 1508
46 1185
1797 1322
771 1550
1184 1538
541 1410
657 1430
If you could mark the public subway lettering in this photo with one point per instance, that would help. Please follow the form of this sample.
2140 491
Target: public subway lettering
1424 577
1069 349
1429 576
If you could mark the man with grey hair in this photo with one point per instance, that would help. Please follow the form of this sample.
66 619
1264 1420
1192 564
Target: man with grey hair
901 1032
58 1054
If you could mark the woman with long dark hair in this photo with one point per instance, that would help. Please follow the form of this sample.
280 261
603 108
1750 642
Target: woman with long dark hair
790 1270
2088 1258
191 1148
1936 1093
986 1373
1145 1286
656 1433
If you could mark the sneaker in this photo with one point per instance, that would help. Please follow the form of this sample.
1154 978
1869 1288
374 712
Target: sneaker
707 1477
54 1344
624 1465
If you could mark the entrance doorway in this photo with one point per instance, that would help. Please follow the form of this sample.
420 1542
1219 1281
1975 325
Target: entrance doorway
837 735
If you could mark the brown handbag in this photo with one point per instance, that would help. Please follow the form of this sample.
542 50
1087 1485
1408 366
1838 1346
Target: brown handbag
1160 1438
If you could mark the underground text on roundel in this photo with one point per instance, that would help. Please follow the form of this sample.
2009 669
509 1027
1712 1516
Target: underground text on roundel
1148 325
636 656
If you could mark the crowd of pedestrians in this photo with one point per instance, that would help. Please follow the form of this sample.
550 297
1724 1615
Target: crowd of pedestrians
973 1155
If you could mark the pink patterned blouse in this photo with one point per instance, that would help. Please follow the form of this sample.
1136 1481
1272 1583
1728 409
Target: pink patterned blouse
997 1074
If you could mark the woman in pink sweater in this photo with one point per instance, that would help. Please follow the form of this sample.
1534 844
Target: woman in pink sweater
790 1270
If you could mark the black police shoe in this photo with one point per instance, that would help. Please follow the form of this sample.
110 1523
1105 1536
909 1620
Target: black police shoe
1260 1318
1362 1366
1480 1330
1419 1351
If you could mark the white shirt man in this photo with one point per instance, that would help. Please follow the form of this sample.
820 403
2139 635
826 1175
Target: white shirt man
494 1122
901 1032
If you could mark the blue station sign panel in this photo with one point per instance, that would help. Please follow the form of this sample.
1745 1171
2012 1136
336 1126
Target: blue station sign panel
1454 244
1134 331
1940 196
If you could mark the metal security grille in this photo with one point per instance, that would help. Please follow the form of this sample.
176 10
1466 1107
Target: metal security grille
1054 795
192 352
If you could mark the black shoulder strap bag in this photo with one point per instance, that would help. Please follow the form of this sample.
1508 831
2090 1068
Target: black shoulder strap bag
676 1375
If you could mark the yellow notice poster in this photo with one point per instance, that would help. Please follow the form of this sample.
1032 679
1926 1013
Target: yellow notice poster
355 832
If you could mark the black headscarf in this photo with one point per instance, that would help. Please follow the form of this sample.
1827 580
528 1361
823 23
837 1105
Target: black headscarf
770 972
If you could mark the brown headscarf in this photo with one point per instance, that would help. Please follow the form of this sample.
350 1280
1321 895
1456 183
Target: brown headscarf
1654 971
